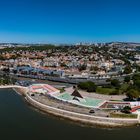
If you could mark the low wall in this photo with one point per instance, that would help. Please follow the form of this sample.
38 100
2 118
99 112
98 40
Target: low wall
82 118
10 86
21 90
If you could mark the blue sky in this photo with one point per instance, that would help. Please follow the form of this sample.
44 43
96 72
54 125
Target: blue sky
69 21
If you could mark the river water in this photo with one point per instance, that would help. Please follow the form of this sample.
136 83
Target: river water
18 121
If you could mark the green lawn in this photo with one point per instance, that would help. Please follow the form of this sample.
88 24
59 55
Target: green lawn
106 91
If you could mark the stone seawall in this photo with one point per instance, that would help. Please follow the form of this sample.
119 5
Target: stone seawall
82 118
21 90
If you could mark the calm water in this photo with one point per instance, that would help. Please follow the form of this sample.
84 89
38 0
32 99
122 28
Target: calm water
18 121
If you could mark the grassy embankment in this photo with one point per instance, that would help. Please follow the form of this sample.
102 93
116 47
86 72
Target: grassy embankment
120 115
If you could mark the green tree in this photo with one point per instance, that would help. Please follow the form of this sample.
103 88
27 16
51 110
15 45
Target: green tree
132 93
115 83
127 79
83 85
136 81
128 69
137 84
136 77
89 86
82 67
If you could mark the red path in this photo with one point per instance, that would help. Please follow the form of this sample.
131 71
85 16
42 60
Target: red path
135 108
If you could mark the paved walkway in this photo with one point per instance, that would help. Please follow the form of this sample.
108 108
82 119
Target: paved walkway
80 116
10 86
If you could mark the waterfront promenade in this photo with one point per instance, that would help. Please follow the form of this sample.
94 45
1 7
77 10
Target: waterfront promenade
21 90
11 86
69 111
83 118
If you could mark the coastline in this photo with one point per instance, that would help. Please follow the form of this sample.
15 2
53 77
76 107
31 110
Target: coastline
20 91
82 119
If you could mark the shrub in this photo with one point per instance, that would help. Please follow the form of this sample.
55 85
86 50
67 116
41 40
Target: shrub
126 109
